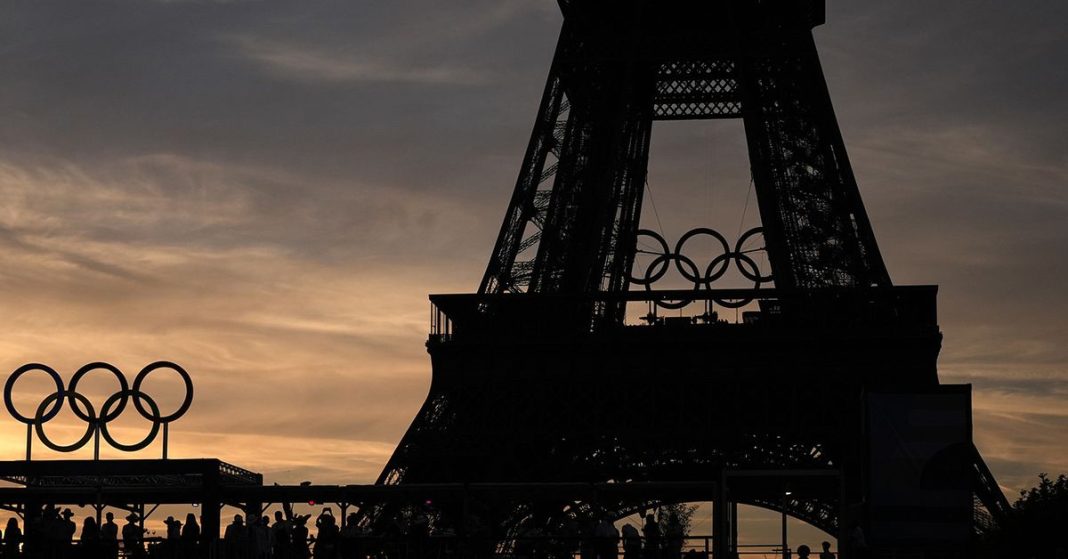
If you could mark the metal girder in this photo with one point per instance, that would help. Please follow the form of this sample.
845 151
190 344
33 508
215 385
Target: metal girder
572 222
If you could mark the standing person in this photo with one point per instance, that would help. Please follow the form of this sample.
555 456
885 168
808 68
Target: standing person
280 536
190 537
826 553
174 536
803 551
299 549
651 530
350 537
109 536
133 537
327 538
632 542
253 551
258 538
263 537
48 533
607 539
64 532
12 538
90 539
236 538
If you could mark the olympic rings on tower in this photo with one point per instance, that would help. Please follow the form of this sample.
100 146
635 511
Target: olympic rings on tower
97 420
691 272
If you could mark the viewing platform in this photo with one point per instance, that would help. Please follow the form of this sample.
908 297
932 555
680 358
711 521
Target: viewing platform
906 310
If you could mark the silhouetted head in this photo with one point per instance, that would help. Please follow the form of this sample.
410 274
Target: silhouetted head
110 517
826 546
278 515
265 521
67 513
131 517
190 518
12 523
238 519
803 551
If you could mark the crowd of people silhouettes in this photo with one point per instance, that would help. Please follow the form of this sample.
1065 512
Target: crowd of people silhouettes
51 535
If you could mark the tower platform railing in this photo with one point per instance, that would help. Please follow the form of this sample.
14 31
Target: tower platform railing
905 308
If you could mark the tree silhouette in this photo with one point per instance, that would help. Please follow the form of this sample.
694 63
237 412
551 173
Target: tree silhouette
1039 526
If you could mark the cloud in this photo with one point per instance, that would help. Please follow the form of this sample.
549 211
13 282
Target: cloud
311 64
167 257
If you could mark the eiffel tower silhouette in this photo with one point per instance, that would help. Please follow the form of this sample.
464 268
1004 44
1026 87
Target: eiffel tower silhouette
540 377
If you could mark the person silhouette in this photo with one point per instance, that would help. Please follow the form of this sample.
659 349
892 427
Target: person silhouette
133 537
65 530
826 553
328 533
109 536
12 538
190 536
299 548
280 536
350 537
235 538
607 538
803 551
173 539
632 542
252 526
651 531
263 537
90 540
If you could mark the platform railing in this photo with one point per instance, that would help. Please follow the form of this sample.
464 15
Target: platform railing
911 307
428 547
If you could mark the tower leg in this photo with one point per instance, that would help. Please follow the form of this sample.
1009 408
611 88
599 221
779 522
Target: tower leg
733 544
720 524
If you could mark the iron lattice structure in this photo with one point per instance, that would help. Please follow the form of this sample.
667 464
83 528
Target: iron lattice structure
572 220
537 378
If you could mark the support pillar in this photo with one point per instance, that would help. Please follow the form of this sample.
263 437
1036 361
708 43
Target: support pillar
733 544
210 509
720 522
785 535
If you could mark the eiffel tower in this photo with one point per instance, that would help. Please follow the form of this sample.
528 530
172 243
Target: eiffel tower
541 377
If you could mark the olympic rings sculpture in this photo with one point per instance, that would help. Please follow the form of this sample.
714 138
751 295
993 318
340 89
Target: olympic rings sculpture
113 406
702 279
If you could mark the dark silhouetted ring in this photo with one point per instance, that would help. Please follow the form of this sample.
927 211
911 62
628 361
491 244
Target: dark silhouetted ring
137 396
73 390
140 378
10 384
711 274
753 273
652 273
91 424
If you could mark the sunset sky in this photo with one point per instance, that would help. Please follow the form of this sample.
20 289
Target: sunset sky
266 192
